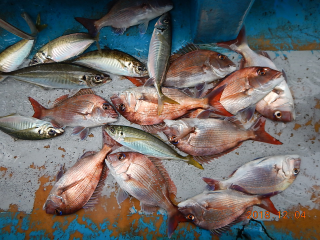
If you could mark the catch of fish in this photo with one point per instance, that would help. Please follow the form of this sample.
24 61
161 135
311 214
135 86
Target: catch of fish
195 97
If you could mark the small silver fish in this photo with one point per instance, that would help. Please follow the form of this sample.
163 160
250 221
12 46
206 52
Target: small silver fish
28 128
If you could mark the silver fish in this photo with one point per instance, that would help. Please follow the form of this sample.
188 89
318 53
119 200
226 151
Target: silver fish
59 75
264 176
28 128
158 57
63 48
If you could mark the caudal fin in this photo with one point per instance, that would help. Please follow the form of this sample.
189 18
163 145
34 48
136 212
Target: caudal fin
268 205
235 44
174 217
193 162
260 133
161 100
38 109
88 24
213 185
213 101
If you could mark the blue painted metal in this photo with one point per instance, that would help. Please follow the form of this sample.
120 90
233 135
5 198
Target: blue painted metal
219 20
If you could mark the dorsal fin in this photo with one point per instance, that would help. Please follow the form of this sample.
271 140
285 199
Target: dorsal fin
87 154
63 98
84 92
190 47
170 184
60 100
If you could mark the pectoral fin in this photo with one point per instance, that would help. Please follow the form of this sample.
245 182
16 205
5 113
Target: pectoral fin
121 196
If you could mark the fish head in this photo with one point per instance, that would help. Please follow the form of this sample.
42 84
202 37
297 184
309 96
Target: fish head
163 23
39 58
95 79
104 112
119 162
291 166
176 129
123 104
192 211
54 205
138 69
116 132
221 64
48 131
262 78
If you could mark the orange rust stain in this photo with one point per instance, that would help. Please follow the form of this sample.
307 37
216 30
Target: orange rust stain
91 135
297 126
62 149
7 229
317 126
76 234
279 133
62 156
36 167
308 123
266 44
313 138
48 146
317 106
3 169
15 157
291 135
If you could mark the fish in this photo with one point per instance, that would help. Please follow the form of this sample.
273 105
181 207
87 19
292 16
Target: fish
246 87
192 66
7 26
127 13
147 180
83 110
278 105
80 186
63 48
217 211
113 61
59 75
140 105
28 128
158 58
146 143
264 176
211 138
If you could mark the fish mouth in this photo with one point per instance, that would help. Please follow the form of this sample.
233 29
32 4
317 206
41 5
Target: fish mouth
277 75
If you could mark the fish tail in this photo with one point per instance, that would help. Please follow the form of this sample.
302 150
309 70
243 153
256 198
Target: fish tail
214 101
96 38
89 24
267 204
174 218
38 24
38 109
235 44
2 76
193 162
260 133
213 185
161 100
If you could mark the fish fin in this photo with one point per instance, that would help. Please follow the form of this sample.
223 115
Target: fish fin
239 189
242 63
213 100
190 47
199 89
187 91
260 133
192 161
284 75
149 82
154 129
97 192
40 26
2 77
60 173
225 228
170 184
96 38
174 218
38 108
77 130
121 196
267 204
71 185
204 114
89 24
232 173
119 31
84 133
265 54
84 91
143 27
236 43
60 100
164 99
148 208
248 112
106 139
87 154
136 81
56 124
213 184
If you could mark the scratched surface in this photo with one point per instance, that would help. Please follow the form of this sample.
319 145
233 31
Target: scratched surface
28 169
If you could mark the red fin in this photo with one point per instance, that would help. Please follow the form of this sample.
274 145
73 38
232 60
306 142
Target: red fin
261 135
88 24
106 139
239 189
60 100
214 184
241 39
213 100
268 205
174 217
38 108
137 81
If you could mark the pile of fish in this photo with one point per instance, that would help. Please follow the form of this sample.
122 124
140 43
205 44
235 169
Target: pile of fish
196 98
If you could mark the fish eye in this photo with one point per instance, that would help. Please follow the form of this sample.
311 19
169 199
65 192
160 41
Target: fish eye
57 212
221 57
121 133
121 156
166 21
261 72
277 114
295 171
84 77
106 106
173 140
112 129
190 217
98 78
140 68
122 107
51 132
40 131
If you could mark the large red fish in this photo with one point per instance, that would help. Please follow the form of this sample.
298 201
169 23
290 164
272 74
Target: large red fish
140 105
82 111
80 185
